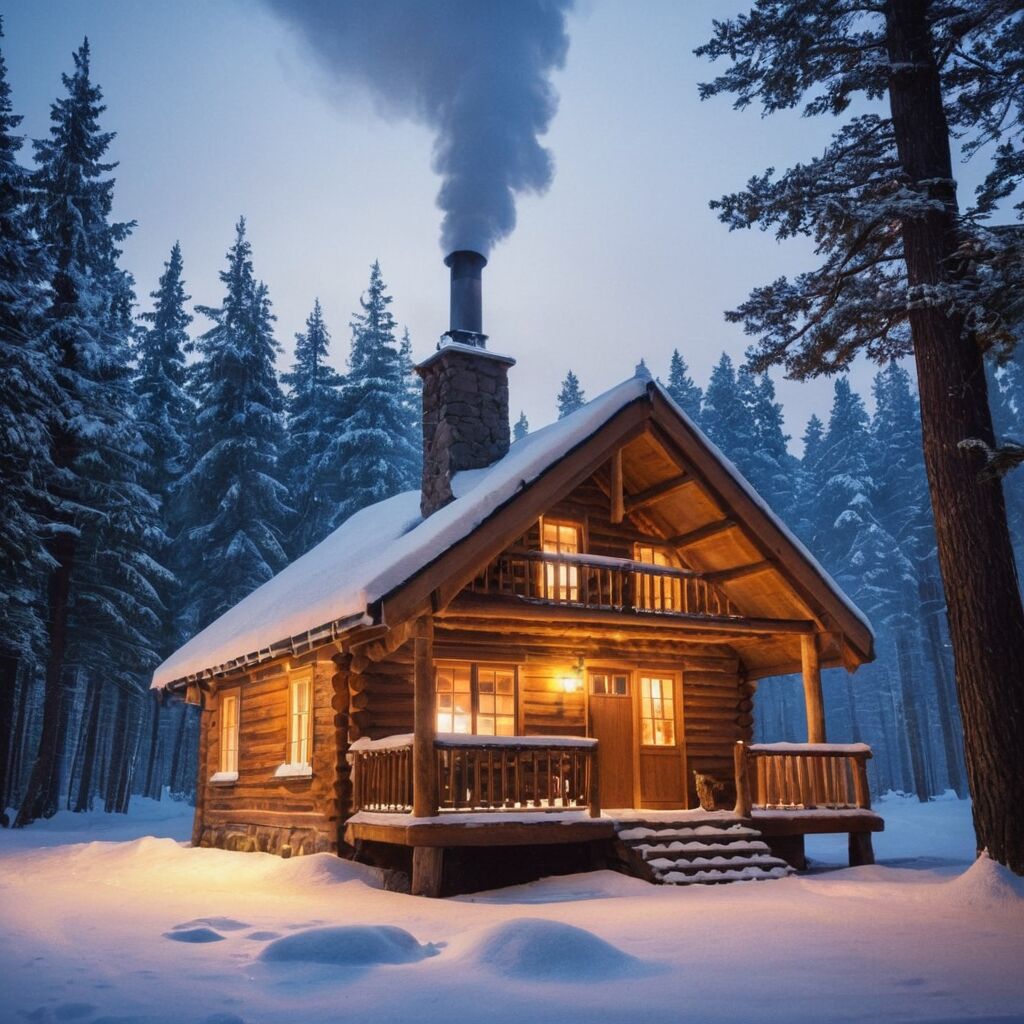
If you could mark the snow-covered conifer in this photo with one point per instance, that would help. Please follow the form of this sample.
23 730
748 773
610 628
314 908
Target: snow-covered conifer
571 396
681 387
521 427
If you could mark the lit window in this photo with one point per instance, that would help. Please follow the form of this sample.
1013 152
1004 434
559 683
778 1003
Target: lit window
561 581
229 734
657 711
300 705
478 699
609 684
654 592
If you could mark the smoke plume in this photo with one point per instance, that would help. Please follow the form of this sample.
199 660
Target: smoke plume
475 71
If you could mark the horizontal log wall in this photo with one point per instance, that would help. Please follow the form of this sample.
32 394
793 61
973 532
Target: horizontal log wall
259 811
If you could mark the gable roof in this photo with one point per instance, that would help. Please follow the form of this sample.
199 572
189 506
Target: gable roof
382 550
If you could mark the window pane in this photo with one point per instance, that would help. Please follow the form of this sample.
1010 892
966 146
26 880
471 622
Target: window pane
657 710
620 686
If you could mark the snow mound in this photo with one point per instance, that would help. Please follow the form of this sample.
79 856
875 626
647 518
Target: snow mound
349 946
987 885
194 935
540 950
329 869
225 924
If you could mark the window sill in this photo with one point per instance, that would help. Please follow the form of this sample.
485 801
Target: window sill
224 778
294 771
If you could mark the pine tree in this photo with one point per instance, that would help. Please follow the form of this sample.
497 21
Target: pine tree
773 471
373 457
103 605
571 396
521 428
681 387
236 504
313 413
28 393
727 417
904 271
412 392
810 479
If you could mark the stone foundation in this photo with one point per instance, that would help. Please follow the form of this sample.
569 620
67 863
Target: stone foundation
285 842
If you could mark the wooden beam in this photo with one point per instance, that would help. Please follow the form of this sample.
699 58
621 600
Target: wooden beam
651 495
427 869
424 783
811 671
705 532
617 496
739 571
469 607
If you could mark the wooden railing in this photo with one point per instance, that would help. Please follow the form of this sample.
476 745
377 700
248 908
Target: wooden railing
801 776
481 773
590 581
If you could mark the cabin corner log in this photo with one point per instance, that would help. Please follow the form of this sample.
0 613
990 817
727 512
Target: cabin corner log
742 776
424 788
618 507
814 703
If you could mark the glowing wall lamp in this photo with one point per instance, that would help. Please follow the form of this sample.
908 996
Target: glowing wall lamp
574 683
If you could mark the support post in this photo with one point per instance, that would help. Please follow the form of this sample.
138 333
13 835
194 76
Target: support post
424 763
739 755
594 794
861 850
618 497
811 669
427 867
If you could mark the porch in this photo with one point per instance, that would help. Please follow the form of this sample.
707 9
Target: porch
544 790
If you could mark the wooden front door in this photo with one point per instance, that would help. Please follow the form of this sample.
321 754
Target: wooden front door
662 756
611 724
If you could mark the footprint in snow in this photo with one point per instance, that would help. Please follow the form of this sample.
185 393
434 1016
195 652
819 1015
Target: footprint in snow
263 936
194 935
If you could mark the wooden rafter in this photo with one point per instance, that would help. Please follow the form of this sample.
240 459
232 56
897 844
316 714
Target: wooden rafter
618 511
659 491
740 571
705 532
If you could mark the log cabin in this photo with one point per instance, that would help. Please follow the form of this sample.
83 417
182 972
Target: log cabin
542 660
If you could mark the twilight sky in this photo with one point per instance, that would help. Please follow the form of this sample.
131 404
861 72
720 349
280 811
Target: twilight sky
219 111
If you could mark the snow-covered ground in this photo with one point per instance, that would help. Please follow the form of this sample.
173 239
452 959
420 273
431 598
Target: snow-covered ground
99 925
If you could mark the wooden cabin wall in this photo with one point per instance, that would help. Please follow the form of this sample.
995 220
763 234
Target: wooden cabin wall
259 811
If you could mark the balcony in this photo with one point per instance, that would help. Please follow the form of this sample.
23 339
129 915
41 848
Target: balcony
602 584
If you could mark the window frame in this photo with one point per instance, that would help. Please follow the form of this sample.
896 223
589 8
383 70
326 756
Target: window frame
663 598
674 680
562 585
474 694
290 768
226 772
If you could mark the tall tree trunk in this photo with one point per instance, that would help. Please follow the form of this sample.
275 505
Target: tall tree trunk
42 792
931 600
8 685
911 722
90 732
118 752
179 743
154 744
986 618
22 729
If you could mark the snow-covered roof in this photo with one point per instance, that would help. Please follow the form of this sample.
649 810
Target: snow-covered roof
383 546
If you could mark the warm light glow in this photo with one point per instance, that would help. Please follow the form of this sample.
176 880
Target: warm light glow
572 684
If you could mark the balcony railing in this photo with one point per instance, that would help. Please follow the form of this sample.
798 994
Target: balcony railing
801 776
609 584
480 773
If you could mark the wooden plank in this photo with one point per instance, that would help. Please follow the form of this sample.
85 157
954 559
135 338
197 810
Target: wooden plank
811 672
424 721
618 509
683 540
658 492
740 571
581 830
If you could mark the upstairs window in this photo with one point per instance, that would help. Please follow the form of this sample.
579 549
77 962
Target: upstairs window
561 582
476 699
655 593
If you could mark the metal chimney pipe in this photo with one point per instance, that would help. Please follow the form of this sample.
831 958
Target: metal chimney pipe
466 314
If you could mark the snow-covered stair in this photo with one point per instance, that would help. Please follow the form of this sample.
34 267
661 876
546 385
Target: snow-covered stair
680 854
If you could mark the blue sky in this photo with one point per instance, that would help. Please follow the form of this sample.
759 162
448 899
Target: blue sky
219 112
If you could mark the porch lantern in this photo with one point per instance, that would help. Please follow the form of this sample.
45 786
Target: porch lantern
574 683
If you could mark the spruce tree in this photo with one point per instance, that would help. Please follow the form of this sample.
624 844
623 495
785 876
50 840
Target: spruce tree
686 394
103 600
521 428
571 396
773 471
313 413
236 503
28 394
727 417
904 271
412 394
373 457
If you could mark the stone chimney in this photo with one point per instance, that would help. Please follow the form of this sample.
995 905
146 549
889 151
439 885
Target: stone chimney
465 391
